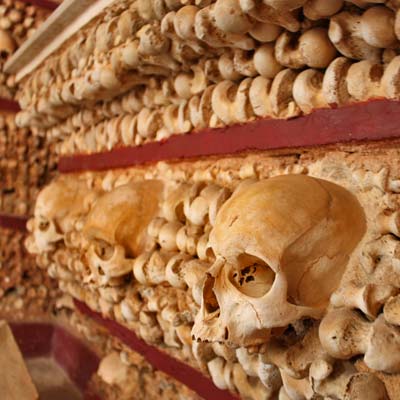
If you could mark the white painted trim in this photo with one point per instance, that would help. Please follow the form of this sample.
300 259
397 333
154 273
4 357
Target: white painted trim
63 23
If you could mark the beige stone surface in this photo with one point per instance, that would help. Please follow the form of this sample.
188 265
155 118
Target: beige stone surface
51 380
15 381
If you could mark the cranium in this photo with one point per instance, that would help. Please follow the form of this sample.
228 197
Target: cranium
58 208
116 227
282 245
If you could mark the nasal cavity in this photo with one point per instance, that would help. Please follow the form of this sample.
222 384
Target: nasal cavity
210 301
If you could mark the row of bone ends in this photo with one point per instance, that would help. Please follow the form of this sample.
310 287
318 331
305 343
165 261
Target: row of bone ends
173 236
189 83
17 22
153 275
289 94
119 369
181 25
19 291
203 353
223 371
389 224
119 366
179 238
218 379
232 103
152 272
203 110
268 58
263 62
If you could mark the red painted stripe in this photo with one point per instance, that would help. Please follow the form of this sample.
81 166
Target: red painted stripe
74 357
190 377
9 105
16 222
51 5
374 120
91 396
33 339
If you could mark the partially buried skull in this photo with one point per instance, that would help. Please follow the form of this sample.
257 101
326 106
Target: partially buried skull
116 228
282 246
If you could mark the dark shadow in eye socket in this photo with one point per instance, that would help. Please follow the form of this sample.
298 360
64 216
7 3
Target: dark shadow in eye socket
210 301
179 212
254 277
4 54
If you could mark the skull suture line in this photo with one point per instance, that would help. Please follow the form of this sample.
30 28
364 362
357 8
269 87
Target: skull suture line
282 245
116 228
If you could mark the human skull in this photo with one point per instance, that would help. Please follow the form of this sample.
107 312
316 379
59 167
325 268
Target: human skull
282 245
58 208
116 228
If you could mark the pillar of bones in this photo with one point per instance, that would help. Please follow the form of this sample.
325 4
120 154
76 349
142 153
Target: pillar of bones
277 275
26 164
26 161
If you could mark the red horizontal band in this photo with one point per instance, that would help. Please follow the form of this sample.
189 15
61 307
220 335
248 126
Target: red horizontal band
43 340
190 377
33 338
77 360
9 105
51 5
373 120
16 222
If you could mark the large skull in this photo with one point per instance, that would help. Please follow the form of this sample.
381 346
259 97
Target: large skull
116 227
58 208
282 245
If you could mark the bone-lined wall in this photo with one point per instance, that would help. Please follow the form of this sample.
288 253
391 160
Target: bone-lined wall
26 292
19 20
121 373
27 162
275 274
146 70
212 262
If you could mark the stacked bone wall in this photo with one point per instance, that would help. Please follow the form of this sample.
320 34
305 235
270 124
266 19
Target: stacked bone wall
27 164
19 20
159 293
122 373
143 71
27 160
25 290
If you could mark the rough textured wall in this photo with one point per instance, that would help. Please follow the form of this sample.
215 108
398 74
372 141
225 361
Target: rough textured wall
270 273
26 292
145 70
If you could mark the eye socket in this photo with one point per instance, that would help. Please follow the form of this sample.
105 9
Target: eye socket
103 250
254 278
